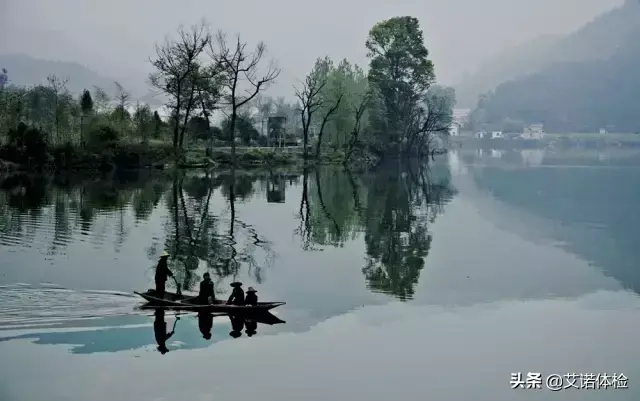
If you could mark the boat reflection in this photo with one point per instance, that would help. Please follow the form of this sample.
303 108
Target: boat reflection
205 323
239 322
131 332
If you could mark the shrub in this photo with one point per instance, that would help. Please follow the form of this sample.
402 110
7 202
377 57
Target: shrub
103 137
29 144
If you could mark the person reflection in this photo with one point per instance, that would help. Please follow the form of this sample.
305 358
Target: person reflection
160 330
237 324
251 327
205 323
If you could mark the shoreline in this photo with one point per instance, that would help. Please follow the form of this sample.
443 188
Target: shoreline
150 157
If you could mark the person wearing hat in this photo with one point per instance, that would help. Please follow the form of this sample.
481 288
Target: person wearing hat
162 272
237 295
251 298
206 294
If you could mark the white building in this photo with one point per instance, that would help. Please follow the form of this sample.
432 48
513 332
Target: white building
454 129
497 135
533 131
480 134
603 131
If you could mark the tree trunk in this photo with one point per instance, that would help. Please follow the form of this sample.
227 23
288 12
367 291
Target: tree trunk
232 134
176 122
82 131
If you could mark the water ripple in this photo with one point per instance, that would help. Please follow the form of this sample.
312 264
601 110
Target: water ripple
23 305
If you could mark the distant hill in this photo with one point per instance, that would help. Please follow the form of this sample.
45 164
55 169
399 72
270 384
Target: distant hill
595 84
597 40
508 64
26 71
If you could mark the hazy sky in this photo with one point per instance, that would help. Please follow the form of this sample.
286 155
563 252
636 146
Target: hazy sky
116 37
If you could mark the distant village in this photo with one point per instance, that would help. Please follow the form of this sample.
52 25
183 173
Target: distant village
530 132
460 117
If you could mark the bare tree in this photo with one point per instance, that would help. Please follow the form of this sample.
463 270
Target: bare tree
207 96
265 106
241 68
101 99
58 86
177 65
431 122
310 102
122 95
358 110
327 116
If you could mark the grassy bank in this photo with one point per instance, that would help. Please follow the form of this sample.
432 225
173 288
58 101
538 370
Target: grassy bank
104 149
157 156
252 157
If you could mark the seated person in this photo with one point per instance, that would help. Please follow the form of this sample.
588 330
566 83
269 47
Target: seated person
251 298
237 295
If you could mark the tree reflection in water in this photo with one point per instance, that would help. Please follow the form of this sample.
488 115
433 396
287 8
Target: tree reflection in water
393 206
389 208
196 236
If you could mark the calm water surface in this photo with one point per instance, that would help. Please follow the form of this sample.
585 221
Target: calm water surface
406 281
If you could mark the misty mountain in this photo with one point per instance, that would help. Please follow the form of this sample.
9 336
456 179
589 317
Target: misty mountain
599 91
25 70
597 40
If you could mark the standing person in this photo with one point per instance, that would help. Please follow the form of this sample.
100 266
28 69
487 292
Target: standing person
206 294
237 295
162 272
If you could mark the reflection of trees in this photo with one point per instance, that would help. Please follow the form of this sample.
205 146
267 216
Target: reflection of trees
401 203
71 204
334 218
393 206
195 236
304 214
276 187
191 228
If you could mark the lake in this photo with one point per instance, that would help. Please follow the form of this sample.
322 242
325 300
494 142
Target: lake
441 282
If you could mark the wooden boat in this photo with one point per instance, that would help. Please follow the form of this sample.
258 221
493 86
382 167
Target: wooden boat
169 297
189 303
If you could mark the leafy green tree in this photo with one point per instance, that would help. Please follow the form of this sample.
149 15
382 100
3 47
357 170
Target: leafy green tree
121 112
58 86
86 102
4 78
198 128
312 97
101 99
143 122
350 81
244 128
265 106
400 74
157 125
